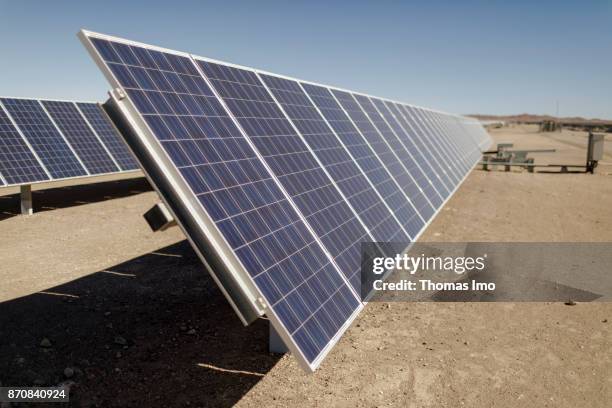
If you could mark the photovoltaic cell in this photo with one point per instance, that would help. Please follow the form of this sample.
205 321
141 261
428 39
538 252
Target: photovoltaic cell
293 164
304 290
17 162
109 135
84 142
44 138
336 160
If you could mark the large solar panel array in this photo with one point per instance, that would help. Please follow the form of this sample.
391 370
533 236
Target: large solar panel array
45 140
277 181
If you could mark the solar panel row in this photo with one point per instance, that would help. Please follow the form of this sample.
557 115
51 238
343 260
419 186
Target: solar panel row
284 178
43 140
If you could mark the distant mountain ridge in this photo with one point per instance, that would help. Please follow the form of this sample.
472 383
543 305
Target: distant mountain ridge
529 118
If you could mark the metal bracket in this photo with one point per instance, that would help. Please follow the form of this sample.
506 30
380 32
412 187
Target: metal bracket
26 199
159 218
275 342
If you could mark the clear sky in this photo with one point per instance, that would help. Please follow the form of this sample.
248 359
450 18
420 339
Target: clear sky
475 57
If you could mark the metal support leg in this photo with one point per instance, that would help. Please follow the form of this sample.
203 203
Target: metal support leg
26 200
276 344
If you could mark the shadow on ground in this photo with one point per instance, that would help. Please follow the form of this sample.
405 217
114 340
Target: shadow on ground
70 196
153 331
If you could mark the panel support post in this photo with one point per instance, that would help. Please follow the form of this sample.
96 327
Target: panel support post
276 344
26 199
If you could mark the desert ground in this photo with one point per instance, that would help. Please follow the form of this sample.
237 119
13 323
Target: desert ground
136 320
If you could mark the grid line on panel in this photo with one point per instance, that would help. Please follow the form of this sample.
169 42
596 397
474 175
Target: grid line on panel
110 137
84 142
412 162
402 173
408 211
425 157
441 162
293 164
18 164
45 139
335 159
284 260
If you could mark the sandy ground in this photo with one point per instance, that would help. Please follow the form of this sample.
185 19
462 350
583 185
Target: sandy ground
139 322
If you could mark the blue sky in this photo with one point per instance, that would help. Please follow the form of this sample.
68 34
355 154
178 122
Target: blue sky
477 57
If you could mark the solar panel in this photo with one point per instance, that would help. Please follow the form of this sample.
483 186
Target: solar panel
109 135
442 161
412 219
345 172
45 139
77 132
293 164
397 139
420 151
362 153
307 298
457 155
275 182
17 162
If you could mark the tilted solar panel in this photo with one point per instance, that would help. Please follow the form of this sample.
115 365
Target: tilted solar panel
45 139
293 164
409 214
442 161
412 181
419 151
109 135
345 172
86 145
306 296
17 162
277 182
363 153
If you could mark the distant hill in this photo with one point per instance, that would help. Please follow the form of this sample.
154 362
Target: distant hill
529 118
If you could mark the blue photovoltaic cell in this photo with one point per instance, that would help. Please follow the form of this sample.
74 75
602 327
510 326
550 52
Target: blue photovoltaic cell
84 142
363 153
396 137
100 122
293 164
441 161
402 173
413 222
302 287
336 160
17 162
420 152
44 138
